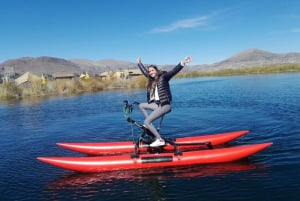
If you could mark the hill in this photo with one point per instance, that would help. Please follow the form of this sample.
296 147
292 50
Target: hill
256 58
102 65
47 65
50 65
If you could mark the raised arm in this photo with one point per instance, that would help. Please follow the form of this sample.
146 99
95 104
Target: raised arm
142 68
178 68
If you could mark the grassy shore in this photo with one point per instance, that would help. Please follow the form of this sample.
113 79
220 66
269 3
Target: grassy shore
66 87
77 86
244 71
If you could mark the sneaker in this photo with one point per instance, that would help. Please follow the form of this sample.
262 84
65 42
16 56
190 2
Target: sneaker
157 143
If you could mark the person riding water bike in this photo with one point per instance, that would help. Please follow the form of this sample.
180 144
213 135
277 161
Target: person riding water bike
159 95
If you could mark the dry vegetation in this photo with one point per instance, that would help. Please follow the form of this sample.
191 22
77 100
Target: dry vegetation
76 86
244 71
67 87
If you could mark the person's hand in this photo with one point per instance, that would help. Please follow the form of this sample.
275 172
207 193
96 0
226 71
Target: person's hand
187 59
138 60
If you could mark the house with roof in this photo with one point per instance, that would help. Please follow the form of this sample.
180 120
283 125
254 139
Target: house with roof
27 79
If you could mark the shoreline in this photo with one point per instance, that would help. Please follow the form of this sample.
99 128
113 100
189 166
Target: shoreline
11 92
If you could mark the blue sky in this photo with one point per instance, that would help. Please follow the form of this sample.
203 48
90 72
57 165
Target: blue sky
158 31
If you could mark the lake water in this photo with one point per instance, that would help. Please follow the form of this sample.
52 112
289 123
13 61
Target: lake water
267 105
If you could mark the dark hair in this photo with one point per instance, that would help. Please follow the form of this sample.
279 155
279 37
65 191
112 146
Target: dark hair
153 66
151 81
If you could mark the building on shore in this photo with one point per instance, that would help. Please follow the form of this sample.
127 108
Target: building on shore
27 79
63 75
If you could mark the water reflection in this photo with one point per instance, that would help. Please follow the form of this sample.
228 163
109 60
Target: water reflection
24 102
78 180
149 184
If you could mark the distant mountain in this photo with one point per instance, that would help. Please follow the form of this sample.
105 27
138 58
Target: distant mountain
103 65
50 65
256 57
47 65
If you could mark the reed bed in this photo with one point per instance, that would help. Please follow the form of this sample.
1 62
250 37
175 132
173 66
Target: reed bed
244 71
75 86
11 91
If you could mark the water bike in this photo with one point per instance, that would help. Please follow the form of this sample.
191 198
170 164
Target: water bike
137 154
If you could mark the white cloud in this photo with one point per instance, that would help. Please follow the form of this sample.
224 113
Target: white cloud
182 24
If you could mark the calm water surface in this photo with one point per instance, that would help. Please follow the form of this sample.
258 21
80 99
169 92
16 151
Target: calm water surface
267 105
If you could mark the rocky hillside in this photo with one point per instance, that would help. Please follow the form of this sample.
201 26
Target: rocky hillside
50 65
103 65
47 65
256 57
